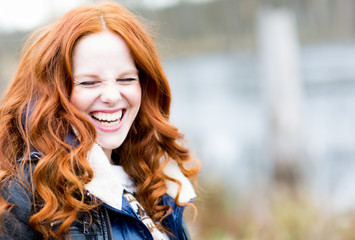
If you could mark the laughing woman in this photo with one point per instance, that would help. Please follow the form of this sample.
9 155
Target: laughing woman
86 147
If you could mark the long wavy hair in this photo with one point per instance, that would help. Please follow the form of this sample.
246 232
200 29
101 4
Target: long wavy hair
36 114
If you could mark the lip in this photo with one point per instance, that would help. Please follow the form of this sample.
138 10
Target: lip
109 129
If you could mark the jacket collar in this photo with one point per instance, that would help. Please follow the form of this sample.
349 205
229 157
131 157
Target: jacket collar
108 187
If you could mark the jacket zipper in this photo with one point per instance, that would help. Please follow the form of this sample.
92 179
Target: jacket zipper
86 224
108 224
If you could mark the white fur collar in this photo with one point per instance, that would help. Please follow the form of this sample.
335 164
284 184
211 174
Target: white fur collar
108 187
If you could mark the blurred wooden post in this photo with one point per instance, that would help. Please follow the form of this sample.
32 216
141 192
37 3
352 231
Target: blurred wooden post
283 93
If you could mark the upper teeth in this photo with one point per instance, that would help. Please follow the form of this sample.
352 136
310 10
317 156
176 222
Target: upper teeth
108 116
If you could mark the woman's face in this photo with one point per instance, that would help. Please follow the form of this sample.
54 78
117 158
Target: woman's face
106 86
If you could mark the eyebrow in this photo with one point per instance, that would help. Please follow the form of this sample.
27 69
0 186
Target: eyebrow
86 75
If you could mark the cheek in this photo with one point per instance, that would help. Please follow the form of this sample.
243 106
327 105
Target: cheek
80 100
134 96
137 99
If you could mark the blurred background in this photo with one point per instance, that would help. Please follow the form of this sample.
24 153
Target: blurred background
264 91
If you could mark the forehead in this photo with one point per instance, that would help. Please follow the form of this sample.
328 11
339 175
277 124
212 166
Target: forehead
102 42
102 51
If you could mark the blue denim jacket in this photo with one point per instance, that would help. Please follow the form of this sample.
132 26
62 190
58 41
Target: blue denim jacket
15 223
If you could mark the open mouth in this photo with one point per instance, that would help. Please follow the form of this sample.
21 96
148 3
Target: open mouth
108 119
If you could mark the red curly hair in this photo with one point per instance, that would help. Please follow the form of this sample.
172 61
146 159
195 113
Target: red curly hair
36 114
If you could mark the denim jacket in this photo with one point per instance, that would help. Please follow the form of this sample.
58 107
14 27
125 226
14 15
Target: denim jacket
126 224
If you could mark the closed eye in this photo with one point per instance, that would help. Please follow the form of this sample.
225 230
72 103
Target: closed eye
89 83
126 79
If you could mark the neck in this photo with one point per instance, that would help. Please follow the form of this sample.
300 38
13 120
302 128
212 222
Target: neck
108 153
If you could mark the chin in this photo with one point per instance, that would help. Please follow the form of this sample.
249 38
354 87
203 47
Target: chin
110 143
110 146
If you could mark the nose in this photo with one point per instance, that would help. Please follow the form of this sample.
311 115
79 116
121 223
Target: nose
111 93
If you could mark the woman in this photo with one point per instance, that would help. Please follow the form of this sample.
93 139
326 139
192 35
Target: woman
86 149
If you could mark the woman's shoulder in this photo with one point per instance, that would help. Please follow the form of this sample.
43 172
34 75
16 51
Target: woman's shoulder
17 188
15 218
